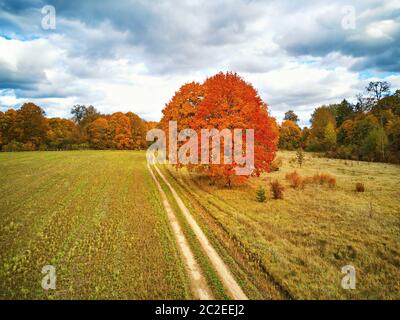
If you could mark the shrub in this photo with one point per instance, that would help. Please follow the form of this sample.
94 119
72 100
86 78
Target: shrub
260 195
13 146
324 178
295 180
360 187
328 179
81 146
29 146
277 189
300 156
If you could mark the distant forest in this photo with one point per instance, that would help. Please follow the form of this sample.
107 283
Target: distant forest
27 129
367 130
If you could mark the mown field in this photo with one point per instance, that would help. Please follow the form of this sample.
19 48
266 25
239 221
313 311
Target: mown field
295 248
96 217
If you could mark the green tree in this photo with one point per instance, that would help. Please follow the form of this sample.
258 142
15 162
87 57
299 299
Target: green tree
393 133
300 157
84 116
330 136
362 126
320 119
78 112
260 195
375 145
290 115
342 111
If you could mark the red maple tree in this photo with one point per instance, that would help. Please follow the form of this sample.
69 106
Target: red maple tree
225 101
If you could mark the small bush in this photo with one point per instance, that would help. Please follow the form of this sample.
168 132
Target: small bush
260 195
277 189
81 146
300 157
324 178
13 146
360 187
295 180
328 179
29 146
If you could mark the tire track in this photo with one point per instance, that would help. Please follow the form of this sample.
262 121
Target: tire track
233 288
198 283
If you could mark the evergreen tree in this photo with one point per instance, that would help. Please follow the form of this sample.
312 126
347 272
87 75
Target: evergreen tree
260 195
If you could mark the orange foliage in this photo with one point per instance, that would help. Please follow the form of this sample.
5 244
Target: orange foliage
98 134
325 178
289 135
118 131
295 180
225 101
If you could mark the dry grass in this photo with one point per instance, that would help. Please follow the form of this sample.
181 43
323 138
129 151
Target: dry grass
296 247
95 216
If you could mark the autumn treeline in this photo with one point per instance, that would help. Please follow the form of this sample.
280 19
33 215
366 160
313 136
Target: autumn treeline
27 129
367 130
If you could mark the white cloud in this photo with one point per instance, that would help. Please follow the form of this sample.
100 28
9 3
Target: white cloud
134 57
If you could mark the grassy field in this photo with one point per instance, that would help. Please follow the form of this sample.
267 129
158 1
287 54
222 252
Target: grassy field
296 247
96 217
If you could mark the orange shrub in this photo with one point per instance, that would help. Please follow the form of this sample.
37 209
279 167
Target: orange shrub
295 180
324 178
277 189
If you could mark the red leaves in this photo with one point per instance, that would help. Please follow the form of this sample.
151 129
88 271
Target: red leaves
225 101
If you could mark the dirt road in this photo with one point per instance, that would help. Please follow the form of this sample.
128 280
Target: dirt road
198 283
233 288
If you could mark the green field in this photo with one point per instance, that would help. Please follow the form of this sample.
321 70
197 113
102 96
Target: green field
97 217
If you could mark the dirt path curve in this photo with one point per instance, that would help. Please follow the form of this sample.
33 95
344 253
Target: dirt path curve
198 283
223 271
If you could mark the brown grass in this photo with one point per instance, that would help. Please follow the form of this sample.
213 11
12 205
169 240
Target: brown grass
299 244
296 181
277 189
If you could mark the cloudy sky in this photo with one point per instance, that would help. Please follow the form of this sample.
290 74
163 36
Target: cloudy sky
133 55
